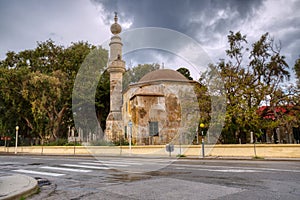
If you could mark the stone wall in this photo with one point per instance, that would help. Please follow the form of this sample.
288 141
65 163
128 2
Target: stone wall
246 150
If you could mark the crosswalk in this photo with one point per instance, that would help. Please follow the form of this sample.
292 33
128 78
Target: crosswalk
62 169
65 169
26 171
71 167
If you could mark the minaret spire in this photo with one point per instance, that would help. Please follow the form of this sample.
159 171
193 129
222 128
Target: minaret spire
116 68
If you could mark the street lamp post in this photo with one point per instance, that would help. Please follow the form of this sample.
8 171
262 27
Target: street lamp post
180 144
202 126
17 135
197 137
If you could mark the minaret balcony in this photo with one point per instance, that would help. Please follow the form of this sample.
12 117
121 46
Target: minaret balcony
116 66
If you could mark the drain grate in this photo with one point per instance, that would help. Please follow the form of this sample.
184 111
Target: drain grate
42 181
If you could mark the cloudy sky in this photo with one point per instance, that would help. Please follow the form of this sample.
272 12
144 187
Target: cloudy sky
24 22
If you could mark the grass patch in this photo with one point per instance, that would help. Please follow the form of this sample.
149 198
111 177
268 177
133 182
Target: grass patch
38 190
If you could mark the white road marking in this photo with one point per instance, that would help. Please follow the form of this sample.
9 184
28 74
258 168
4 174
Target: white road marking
84 166
37 172
66 169
137 162
11 163
180 168
199 167
222 170
233 170
151 160
108 164
118 162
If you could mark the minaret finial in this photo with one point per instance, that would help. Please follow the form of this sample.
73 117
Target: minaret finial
116 28
116 17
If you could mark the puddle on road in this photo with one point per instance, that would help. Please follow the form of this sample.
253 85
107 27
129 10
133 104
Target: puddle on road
129 177
165 173
142 176
35 163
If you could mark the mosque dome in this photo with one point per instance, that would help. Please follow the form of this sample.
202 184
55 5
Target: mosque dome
163 75
115 28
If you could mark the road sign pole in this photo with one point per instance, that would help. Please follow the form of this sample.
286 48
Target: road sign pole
202 141
130 135
203 155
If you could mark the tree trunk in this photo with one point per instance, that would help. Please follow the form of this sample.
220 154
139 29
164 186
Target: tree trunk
57 121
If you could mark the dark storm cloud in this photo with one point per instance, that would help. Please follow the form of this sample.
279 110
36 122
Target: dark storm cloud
22 23
188 17
209 22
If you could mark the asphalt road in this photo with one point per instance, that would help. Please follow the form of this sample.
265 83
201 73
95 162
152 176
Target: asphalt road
114 178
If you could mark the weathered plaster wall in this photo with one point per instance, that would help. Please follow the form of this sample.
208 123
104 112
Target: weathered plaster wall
172 104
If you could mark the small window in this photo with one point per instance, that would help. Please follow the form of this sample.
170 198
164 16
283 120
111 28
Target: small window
125 132
153 129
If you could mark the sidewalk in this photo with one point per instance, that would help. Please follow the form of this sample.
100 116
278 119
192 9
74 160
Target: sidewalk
16 186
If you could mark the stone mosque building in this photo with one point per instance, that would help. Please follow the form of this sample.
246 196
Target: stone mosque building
160 108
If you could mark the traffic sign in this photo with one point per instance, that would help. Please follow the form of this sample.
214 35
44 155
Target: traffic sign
5 138
169 147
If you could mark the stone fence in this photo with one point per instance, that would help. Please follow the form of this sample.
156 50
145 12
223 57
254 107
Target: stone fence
237 150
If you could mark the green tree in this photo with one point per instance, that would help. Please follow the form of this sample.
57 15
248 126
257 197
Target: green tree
102 99
295 100
14 109
45 94
297 70
36 88
91 93
133 75
185 72
249 83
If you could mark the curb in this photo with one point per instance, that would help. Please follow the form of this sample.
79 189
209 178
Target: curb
24 186
243 158
159 157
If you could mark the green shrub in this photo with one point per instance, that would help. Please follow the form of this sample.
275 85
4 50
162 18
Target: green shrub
57 142
101 143
121 142
73 144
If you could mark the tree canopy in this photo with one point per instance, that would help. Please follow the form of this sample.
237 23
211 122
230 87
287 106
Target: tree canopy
297 70
133 75
185 72
253 76
36 89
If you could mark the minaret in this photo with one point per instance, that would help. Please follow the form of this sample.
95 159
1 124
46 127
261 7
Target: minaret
116 68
